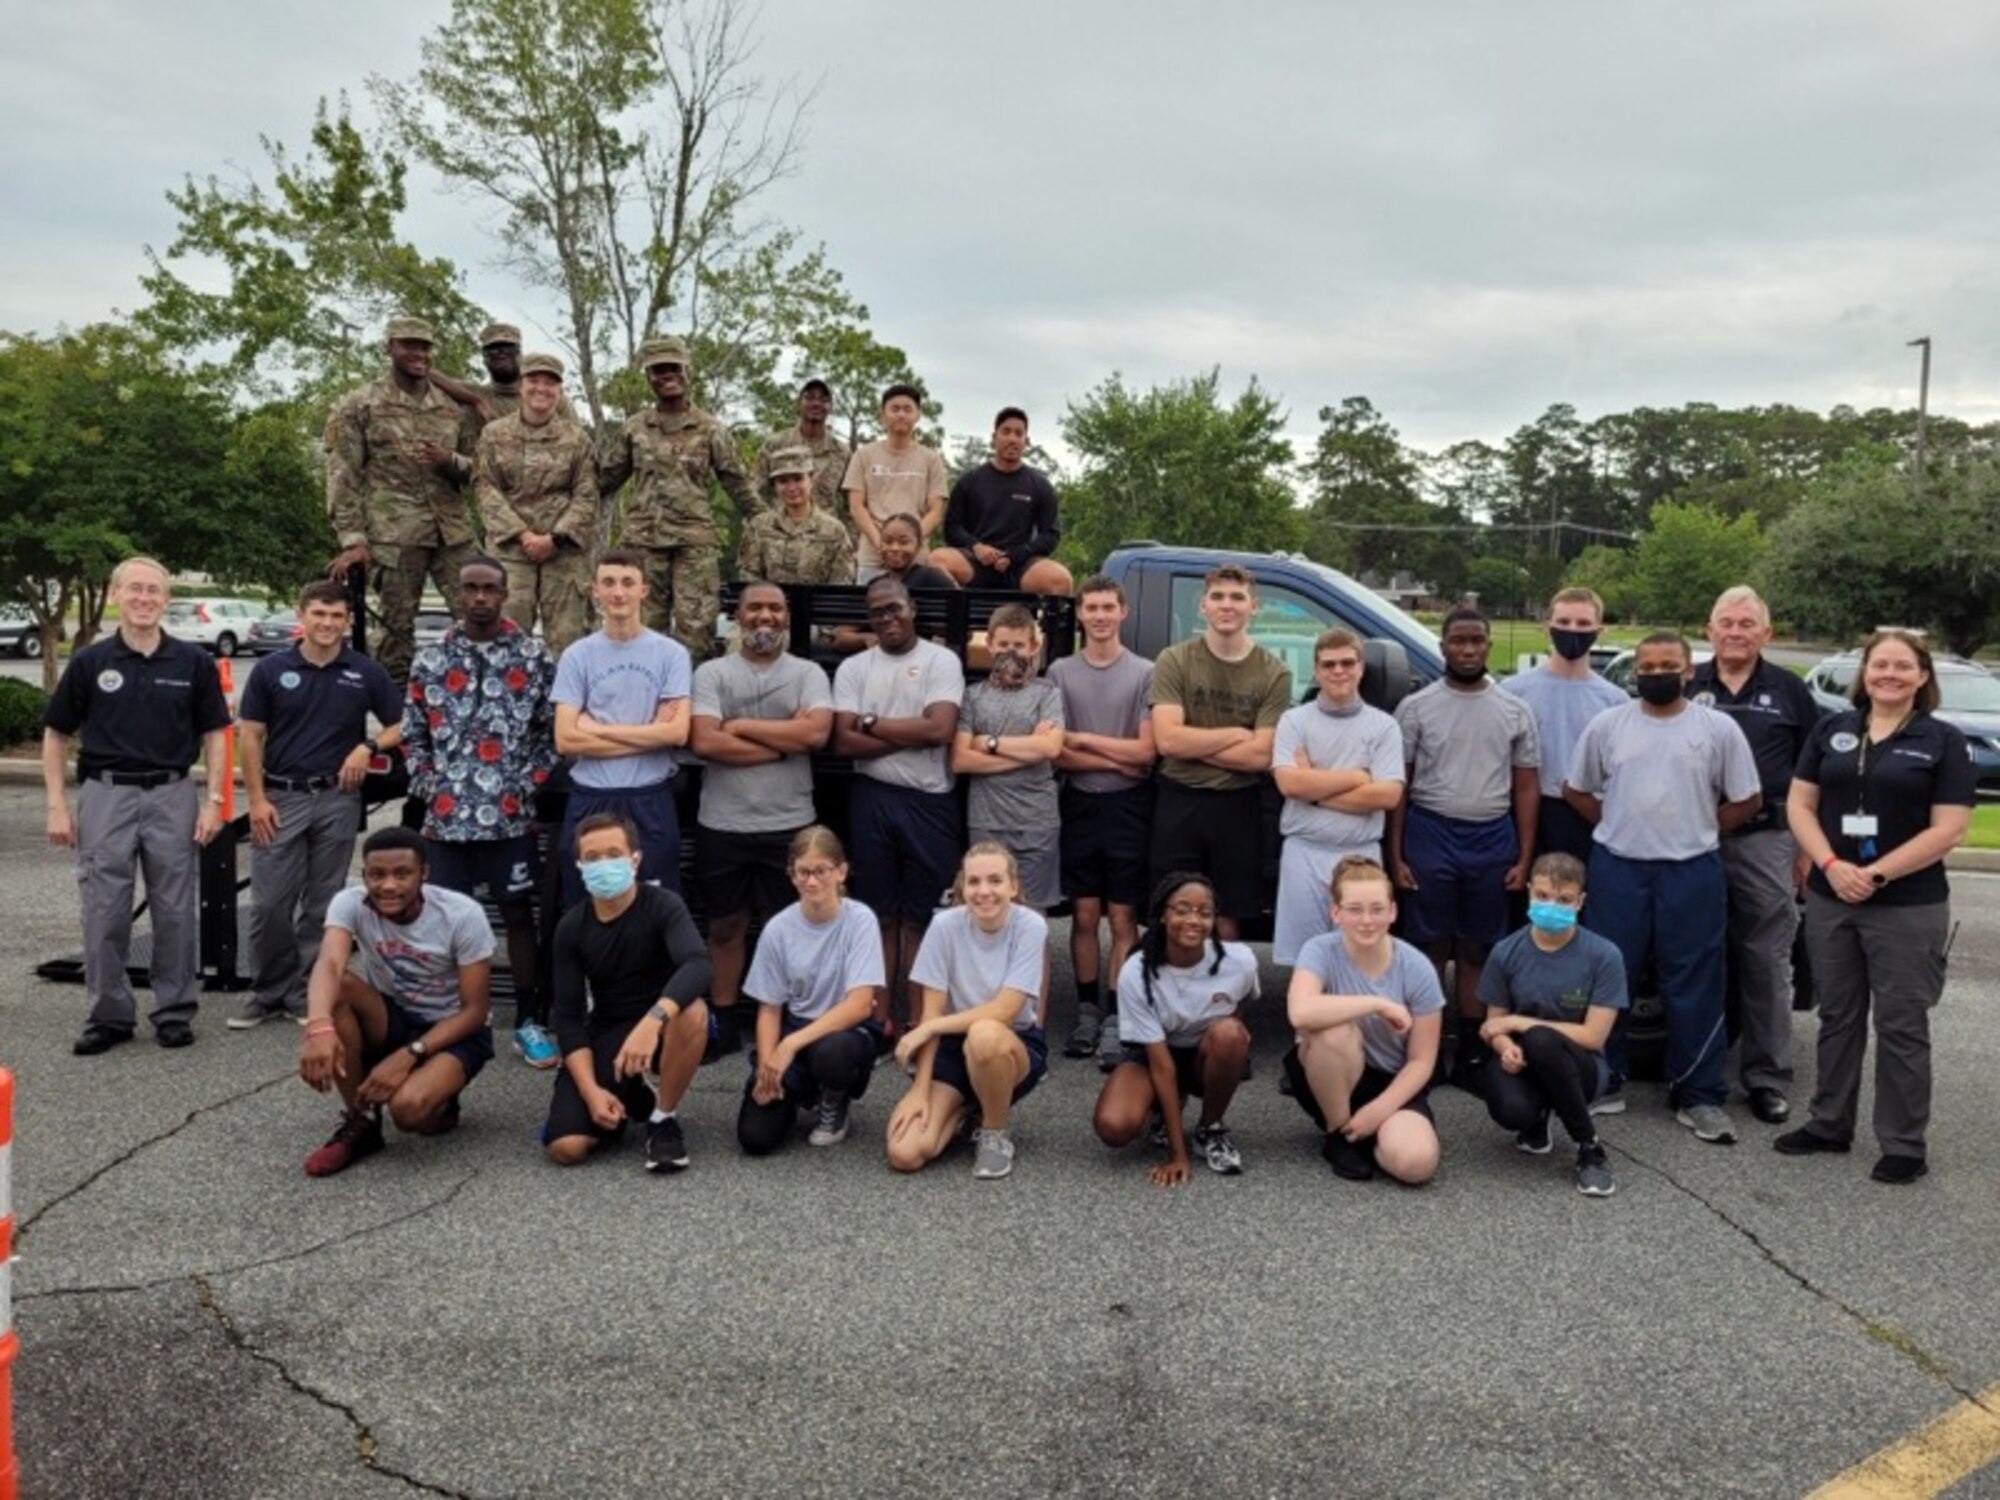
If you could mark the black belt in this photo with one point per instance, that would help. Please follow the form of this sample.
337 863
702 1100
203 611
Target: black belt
135 778
302 783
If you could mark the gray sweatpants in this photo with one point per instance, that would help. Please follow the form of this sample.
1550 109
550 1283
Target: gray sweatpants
1894 957
1763 921
292 879
122 830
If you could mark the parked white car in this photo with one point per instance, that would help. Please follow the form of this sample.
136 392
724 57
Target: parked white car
222 625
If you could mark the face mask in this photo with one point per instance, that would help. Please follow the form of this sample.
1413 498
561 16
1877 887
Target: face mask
1465 674
1658 688
765 642
1338 710
1551 916
1572 645
607 879
1010 668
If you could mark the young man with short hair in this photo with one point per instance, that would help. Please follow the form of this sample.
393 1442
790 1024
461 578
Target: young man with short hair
759 713
1564 693
1217 698
1001 520
406 1026
1106 808
1009 735
305 750
797 542
892 475
1662 779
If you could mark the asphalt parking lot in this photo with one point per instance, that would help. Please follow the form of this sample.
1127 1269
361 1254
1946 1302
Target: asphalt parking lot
455 1317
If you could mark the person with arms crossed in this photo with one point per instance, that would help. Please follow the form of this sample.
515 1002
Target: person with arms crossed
406 1025
1564 693
1010 732
1001 520
305 751
894 475
141 704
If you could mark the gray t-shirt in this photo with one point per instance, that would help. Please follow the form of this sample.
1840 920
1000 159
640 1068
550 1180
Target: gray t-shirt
1022 801
1561 706
1364 739
622 682
972 967
1662 781
416 963
1464 748
770 798
1185 1001
810 967
1108 700
902 687
1410 982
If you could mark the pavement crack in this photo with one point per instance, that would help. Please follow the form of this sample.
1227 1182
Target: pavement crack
1873 1328
365 1447
21 1231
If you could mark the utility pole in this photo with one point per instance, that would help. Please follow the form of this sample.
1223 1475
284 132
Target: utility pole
1923 399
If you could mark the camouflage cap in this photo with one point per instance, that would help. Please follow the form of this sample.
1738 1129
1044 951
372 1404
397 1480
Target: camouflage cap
411 328
667 351
541 364
793 461
498 333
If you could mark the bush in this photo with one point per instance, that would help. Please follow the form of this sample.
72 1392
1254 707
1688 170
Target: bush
21 705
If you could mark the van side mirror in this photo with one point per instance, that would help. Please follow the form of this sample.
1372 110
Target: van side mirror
1385 674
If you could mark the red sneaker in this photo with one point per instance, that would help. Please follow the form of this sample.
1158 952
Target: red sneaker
359 1135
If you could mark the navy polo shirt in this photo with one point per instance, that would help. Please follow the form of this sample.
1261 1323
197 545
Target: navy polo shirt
138 713
313 717
1776 712
1924 763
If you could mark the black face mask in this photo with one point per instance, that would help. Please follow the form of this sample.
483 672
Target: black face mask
1464 674
1572 645
1659 688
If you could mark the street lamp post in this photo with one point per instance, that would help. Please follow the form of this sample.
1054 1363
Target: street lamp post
1923 399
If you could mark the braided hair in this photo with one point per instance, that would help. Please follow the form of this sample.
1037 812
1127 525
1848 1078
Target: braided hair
1153 947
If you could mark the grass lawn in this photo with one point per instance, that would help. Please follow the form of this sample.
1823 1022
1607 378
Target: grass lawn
1985 827
1514 638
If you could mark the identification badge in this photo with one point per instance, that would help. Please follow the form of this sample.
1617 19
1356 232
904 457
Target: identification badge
1859 825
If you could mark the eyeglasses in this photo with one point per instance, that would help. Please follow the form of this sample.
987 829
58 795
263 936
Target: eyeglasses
1340 666
813 872
1186 912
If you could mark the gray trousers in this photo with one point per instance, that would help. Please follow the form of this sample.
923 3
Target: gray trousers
1894 957
1763 921
121 831
292 879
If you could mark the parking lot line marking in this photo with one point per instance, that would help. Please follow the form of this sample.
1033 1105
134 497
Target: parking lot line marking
1930 1460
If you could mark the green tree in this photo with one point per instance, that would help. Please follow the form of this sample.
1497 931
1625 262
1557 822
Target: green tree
1177 464
1502 586
1608 570
1689 555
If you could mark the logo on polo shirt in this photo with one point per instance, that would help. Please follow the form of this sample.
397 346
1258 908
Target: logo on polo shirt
1705 698
1844 742
110 680
288 680
1763 700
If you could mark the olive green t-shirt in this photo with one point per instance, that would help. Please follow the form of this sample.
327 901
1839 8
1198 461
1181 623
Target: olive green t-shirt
1215 694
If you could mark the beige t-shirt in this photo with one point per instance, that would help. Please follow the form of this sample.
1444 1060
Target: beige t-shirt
892 483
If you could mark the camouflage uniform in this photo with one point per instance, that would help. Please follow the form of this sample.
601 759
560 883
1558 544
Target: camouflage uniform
830 457
672 459
412 518
529 478
506 399
778 549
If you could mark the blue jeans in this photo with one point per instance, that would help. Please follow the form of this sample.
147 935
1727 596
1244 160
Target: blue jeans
1676 911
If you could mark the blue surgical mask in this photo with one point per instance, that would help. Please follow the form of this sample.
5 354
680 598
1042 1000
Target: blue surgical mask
608 879
1551 916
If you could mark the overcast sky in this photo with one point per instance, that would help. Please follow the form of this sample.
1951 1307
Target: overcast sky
1463 211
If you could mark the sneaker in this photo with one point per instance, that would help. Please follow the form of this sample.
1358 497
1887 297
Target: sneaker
536 1046
1534 1141
359 1135
666 1147
96 1039
255 1013
1593 1173
995 1153
1899 1169
1709 1122
1157 1136
1219 1150
1083 1036
830 1129
1611 1101
1109 1053
1770 1105
1805 1141
1468 1070
725 1034
1352 1160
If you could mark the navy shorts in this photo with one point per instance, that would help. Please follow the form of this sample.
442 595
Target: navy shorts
1187 1067
743 872
905 849
1104 844
948 1065
1373 1083
405 1026
1461 871
507 868
650 810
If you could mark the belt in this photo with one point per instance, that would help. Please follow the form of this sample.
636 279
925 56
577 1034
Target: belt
302 783
135 778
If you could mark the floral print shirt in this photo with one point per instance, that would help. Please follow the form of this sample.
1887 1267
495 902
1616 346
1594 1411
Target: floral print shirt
479 733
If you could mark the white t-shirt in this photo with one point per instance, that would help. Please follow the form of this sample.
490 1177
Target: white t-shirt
809 967
416 963
972 967
902 687
1185 1001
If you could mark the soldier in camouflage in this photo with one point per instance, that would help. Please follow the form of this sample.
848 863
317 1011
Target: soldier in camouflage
829 453
500 396
535 478
673 455
397 459
799 542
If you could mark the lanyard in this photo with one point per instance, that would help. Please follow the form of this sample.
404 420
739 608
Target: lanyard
1861 760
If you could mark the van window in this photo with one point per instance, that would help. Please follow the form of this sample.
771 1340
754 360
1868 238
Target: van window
1286 623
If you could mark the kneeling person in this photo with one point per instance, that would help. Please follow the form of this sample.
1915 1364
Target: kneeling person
407 1025
637 950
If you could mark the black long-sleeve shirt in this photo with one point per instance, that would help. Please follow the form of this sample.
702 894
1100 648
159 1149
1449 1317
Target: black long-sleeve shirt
1014 511
650 951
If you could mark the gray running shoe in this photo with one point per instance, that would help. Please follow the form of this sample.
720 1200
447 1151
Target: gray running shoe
1593 1173
1219 1150
254 1013
1709 1122
830 1129
994 1153
1109 1053
1611 1101
1083 1036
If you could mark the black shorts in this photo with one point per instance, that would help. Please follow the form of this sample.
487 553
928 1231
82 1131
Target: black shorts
569 1115
507 868
948 1066
1370 1088
405 1026
1187 1067
742 872
905 849
1215 833
1104 844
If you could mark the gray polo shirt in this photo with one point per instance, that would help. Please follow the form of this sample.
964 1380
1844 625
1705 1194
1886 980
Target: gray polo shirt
1464 748
772 798
902 687
1662 781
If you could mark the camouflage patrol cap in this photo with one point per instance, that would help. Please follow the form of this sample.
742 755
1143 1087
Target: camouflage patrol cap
498 333
663 352
411 328
793 461
541 364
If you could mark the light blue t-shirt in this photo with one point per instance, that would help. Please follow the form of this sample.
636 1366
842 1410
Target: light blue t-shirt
1410 981
972 966
623 682
1561 706
809 967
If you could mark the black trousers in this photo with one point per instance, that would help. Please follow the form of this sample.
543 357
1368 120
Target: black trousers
1560 1076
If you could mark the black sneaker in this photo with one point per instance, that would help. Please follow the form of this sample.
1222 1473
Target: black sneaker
1534 1141
666 1147
1900 1169
725 1035
1805 1142
830 1127
1352 1160
1593 1173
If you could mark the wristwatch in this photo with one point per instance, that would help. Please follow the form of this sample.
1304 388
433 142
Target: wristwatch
371 745
868 723
418 1050
992 744
657 1013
